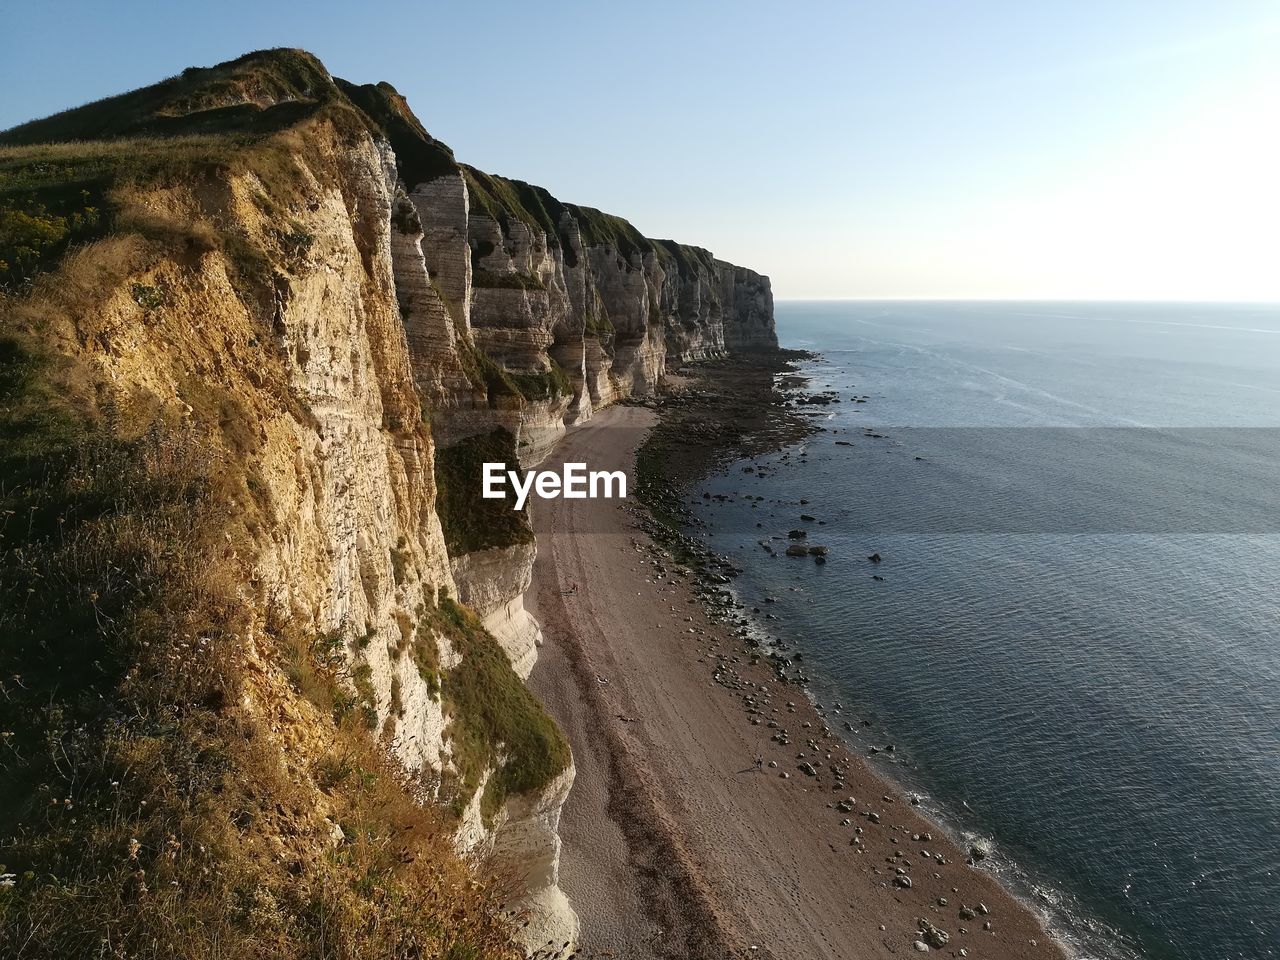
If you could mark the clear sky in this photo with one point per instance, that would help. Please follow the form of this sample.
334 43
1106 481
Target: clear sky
1037 148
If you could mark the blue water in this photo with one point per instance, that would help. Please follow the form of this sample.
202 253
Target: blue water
1075 645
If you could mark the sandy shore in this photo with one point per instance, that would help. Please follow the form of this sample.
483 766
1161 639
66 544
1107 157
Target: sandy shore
675 843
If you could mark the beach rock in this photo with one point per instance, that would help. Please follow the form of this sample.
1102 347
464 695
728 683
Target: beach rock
797 550
797 534
921 946
807 768
902 881
983 909
875 558
934 936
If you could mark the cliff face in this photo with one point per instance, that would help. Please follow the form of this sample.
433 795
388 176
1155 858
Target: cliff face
344 311
576 307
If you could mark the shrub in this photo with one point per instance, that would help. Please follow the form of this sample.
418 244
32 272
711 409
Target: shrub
33 236
405 217
490 279
494 721
147 297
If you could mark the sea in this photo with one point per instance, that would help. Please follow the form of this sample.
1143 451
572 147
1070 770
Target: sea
1072 636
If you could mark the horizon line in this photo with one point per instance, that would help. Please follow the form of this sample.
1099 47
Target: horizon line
1254 302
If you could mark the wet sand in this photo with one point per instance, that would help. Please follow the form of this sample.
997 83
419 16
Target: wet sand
675 843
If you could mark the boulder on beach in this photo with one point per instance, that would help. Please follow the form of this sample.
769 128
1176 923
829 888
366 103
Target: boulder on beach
934 936
797 550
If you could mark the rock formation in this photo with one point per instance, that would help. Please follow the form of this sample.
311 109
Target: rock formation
348 310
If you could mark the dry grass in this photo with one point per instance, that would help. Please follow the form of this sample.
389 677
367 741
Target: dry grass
148 811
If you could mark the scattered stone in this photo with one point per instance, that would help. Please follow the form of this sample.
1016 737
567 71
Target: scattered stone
934 936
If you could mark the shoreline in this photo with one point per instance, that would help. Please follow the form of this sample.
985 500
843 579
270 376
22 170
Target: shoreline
1079 929
675 844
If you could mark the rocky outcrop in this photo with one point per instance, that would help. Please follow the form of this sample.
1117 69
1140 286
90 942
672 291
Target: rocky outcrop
527 844
493 583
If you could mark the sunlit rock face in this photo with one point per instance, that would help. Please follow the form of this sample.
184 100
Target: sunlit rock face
393 305
527 314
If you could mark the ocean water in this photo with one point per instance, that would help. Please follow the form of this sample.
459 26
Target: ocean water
1075 641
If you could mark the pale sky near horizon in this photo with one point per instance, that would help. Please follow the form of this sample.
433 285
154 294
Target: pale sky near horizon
923 148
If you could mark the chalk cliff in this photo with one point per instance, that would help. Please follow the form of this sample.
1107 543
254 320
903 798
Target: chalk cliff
351 319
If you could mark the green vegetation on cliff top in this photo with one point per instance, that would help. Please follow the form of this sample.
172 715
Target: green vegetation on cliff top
206 116
258 93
